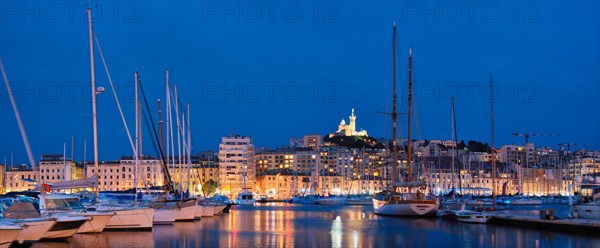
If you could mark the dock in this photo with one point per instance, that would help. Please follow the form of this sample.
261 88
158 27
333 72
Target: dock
582 226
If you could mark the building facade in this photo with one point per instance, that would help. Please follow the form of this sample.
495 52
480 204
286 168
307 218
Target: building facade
20 178
55 168
236 165
313 141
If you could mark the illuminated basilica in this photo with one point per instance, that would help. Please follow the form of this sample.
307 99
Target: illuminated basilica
350 129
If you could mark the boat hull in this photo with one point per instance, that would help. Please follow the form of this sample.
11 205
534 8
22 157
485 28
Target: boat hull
219 209
96 222
9 233
587 211
475 218
187 211
208 211
34 230
131 219
65 227
330 201
165 215
199 211
405 208
246 202
526 202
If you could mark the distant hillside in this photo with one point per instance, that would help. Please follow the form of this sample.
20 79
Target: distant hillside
354 141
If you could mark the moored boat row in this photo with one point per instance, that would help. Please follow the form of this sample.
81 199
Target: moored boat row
63 215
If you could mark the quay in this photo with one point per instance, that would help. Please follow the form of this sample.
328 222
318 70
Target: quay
580 226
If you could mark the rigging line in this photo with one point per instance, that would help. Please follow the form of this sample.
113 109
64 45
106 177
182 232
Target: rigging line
147 122
154 145
168 182
115 94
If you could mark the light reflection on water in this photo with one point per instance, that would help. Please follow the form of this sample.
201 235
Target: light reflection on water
283 225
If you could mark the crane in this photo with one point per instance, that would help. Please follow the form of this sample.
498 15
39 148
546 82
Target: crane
527 135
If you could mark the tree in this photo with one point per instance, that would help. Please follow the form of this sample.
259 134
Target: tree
209 187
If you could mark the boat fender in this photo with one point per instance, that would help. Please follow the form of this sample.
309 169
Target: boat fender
46 188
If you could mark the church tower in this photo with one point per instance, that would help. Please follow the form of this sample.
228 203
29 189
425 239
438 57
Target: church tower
352 126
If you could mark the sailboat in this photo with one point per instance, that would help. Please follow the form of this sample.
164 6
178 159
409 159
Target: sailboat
409 203
127 216
34 225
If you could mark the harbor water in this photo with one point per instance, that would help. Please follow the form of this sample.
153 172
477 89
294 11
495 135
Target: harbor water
289 225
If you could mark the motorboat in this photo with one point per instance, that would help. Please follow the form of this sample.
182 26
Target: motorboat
65 204
590 211
245 198
65 226
472 217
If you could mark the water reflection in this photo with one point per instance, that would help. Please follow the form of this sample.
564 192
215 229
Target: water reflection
113 239
336 232
286 225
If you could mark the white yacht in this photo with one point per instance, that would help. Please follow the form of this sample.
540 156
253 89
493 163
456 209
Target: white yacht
65 226
64 204
590 211
42 227
245 198
128 215
407 204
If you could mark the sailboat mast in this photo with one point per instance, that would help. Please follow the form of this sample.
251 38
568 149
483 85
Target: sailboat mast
394 111
178 133
137 124
493 155
160 128
409 149
455 137
93 84
189 147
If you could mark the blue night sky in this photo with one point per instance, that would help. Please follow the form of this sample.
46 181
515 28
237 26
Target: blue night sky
284 73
